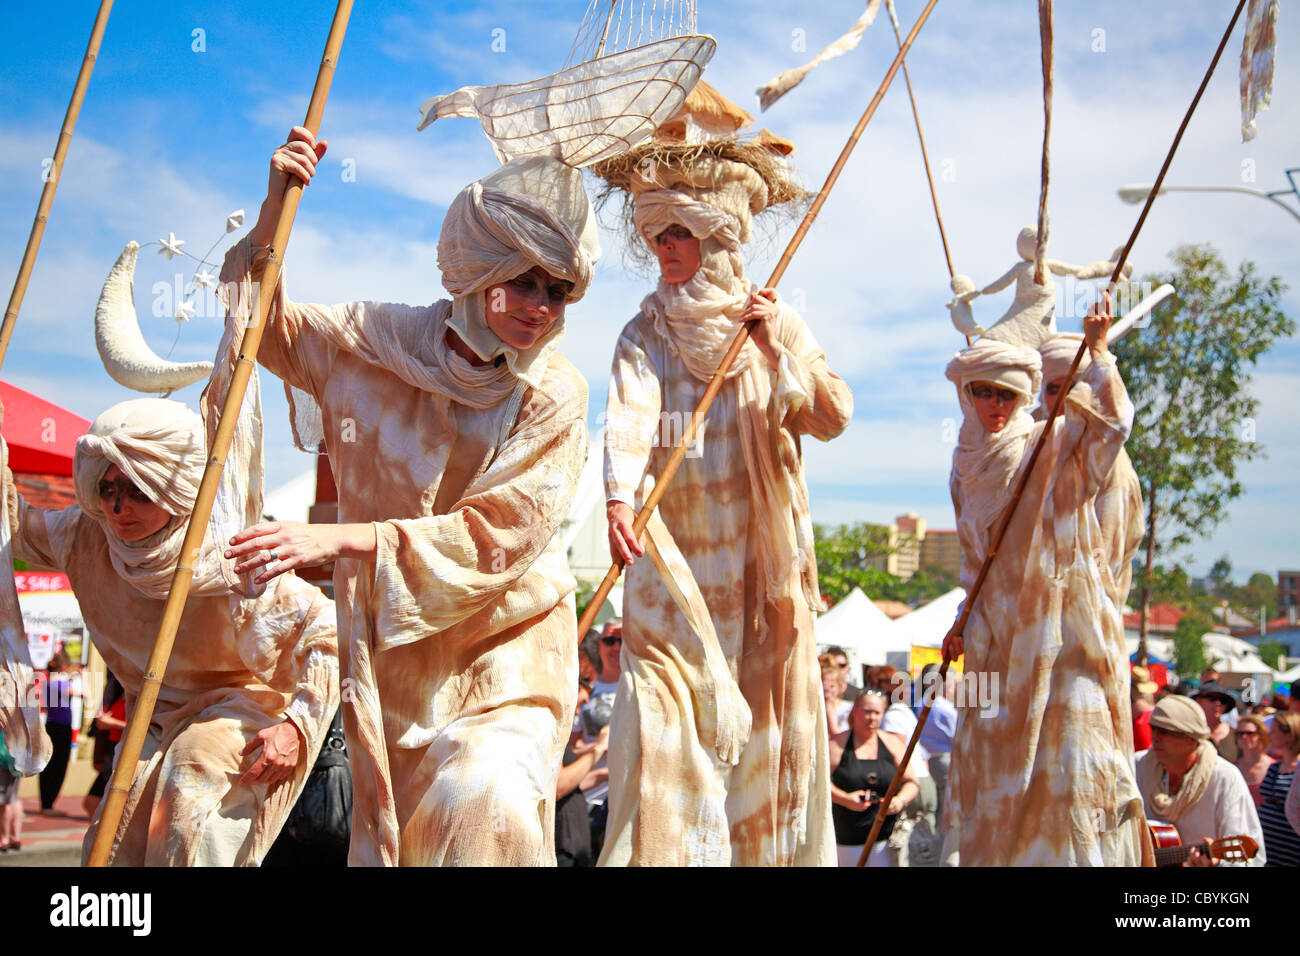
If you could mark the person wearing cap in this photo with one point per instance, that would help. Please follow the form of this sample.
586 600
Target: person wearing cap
456 433
1184 782
1119 499
1047 778
1216 702
719 748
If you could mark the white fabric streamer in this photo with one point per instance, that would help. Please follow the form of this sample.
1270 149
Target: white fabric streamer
783 83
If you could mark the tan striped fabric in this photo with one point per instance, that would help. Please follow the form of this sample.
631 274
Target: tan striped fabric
678 794
459 647
236 667
1041 773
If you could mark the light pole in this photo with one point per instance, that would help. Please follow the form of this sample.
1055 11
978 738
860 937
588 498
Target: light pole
1136 192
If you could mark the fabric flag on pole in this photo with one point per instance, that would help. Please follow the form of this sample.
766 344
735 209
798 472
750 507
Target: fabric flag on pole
783 83
1257 49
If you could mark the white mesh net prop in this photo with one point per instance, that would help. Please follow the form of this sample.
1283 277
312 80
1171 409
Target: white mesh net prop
639 59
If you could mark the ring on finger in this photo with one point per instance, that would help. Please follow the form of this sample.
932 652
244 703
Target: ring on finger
273 556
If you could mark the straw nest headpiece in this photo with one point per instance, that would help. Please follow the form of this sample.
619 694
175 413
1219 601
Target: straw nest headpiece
699 152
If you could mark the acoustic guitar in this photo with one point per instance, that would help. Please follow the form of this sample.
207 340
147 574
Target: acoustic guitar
1169 849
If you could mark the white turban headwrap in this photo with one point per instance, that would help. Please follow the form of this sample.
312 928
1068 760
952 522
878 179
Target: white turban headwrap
160 446
985 462
530 212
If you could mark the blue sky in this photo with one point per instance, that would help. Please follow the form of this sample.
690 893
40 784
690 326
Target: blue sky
171 139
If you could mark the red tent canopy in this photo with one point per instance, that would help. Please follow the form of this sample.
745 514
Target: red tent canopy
41 436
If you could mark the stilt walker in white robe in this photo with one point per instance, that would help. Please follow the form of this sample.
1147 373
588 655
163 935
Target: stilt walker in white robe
252 682
718 746
1046 778
456 433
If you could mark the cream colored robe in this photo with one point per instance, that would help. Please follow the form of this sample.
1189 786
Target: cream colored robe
1047 779
672 800
1123 524
459 647
1120 514
224 682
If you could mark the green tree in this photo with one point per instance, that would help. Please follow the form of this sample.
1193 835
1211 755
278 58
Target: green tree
1189 643
1188 374
1270 649
1259 592
1221 578
845 556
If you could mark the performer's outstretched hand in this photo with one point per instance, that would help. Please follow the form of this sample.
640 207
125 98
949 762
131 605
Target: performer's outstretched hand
763 310
1096 324
953 644
279 546
298 158
624 548
280 745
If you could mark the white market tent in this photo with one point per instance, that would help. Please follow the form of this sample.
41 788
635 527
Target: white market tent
927 625
864 631
292 500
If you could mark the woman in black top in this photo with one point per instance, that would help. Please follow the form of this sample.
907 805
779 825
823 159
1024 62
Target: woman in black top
865 759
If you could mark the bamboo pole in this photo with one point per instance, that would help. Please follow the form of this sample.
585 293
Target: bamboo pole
715 384
960 626
133 739
925 156
52 180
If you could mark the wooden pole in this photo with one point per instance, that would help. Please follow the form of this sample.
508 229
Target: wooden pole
960 627
52 178
133 739
925 157
715 384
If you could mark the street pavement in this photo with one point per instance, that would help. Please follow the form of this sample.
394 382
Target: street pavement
50 840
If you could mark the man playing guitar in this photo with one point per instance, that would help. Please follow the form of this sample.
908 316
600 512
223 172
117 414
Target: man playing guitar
1184 782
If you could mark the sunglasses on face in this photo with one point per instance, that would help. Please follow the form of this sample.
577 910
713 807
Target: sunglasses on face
986 392
1246 733
611 640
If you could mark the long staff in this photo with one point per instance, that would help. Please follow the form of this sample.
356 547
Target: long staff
133 740
710 393
959 628
925 156
52 177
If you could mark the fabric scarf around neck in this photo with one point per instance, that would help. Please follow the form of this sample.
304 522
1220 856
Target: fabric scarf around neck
1154 780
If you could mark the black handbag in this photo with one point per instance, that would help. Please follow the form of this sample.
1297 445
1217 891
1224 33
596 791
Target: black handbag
322 817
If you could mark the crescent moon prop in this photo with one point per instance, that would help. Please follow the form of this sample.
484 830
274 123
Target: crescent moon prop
126 356
1139 311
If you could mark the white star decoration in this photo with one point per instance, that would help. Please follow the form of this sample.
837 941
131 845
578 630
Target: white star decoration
184 311
171 246
234 220
203 279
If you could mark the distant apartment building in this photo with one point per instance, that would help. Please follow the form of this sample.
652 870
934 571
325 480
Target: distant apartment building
913 546
1288 590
